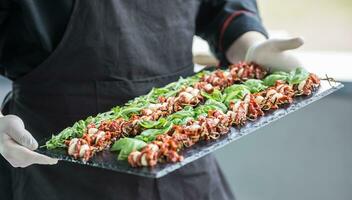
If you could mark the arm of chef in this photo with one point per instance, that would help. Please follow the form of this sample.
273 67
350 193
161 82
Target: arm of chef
235 33
222 23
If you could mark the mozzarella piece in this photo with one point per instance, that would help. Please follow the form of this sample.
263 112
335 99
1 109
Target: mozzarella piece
301 85
259 99
247 98
195 92
226 73
189 89
100 135
135 155
216 79
92 131
155 106
231 114
208 87
187 96
275 97
237 105
163 106
147 111
246 107
144 160
235 116
194 127
72 146
83 150
240 72
216 120
154 147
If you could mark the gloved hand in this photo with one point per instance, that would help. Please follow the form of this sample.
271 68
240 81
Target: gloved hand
274 54
17 144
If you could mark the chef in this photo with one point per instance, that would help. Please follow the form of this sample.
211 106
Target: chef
70 59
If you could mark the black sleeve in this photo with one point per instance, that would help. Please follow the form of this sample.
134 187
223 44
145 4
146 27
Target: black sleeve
4 13
221 22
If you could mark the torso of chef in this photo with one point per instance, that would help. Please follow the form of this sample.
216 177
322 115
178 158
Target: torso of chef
70 59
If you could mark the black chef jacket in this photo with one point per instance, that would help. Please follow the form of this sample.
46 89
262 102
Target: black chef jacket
31 29
30 32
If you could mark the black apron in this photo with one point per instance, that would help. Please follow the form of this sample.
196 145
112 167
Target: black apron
112 51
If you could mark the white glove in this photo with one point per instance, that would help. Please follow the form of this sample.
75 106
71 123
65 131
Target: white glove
274 54
17 144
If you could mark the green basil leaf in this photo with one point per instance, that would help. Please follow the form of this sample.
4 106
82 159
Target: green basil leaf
149 135
126 145
281 73
218 105
235 92
116 109
186 112
215 95
153 124
183 121
100 117
204 109
127 112
298 75
272 78
255 85
235 88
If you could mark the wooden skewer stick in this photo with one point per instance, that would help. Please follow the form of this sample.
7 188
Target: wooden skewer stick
329 79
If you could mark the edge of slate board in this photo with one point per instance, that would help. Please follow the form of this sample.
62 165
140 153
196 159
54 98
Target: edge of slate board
108 160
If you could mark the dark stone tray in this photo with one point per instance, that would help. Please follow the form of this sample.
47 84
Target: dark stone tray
108 160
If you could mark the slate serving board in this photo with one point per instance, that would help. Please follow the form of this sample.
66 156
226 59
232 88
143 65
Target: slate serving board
108 160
